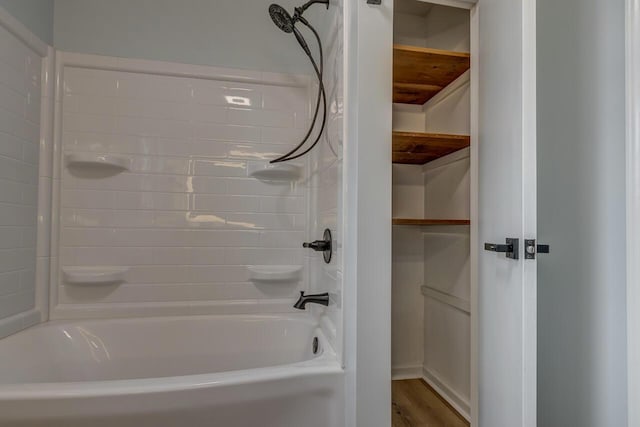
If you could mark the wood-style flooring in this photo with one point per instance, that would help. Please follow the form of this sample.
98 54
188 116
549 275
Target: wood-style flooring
416 404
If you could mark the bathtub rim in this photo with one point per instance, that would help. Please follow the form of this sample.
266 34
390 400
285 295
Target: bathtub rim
325 363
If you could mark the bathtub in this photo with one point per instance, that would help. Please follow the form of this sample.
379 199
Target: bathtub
226 371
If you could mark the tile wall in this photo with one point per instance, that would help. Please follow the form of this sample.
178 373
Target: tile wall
186 219
21 94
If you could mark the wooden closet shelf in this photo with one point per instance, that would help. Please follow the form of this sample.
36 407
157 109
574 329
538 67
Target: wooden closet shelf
417 148
411 221
419 73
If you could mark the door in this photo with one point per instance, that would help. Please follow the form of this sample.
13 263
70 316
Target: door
504 79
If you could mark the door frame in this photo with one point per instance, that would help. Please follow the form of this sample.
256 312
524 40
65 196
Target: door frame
366 201
632 40
367 208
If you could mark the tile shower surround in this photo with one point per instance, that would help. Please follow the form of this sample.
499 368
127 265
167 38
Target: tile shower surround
186 218
23 209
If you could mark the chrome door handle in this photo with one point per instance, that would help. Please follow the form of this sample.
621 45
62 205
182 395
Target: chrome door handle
510 248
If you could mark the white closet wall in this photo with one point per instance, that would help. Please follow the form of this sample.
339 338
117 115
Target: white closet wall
407 274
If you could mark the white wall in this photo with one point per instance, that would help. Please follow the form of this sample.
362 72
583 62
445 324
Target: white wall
21 91
325 169
187 218
226 33
407 307
36 15
447 339
581 213
434 26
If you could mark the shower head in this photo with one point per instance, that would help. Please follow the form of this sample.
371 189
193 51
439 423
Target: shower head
281 18
286 22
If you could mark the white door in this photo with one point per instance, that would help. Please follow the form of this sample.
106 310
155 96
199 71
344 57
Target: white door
505 143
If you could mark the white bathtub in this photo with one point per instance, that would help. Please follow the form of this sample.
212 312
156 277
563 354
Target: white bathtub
226 371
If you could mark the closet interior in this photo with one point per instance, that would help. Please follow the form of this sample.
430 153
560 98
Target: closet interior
431 313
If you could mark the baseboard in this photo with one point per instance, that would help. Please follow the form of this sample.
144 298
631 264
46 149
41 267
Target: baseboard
447 393
406 372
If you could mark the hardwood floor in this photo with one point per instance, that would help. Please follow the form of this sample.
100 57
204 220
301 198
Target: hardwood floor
415 404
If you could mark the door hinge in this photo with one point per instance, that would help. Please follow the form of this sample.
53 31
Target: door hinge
531 249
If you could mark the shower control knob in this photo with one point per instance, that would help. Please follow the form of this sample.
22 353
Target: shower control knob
324 246
318 245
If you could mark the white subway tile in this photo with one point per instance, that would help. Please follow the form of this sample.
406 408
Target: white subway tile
13 101
16 303
9 283
219 132
227 94
286 98
118 256
17 215
31 154
259 151
90 104
272 118
189 256
282 204
11 146
253 187
196 148
282 239
151 127
152 109
208 113
225 168
10 237
153 88
224 203
29 235
88 199
262 221
12 77
90 82
74 122
264 256
282 135
161 165
10 191
159 201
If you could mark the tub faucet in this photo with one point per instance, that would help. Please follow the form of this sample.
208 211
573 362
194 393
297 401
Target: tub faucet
322 299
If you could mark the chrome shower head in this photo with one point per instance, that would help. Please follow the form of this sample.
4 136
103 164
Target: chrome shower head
281 18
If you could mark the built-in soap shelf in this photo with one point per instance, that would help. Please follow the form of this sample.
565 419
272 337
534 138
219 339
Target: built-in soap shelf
275 171
103 161
90 276
275 273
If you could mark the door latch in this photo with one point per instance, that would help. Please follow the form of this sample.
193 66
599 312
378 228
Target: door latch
510 249
374 1
530 249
